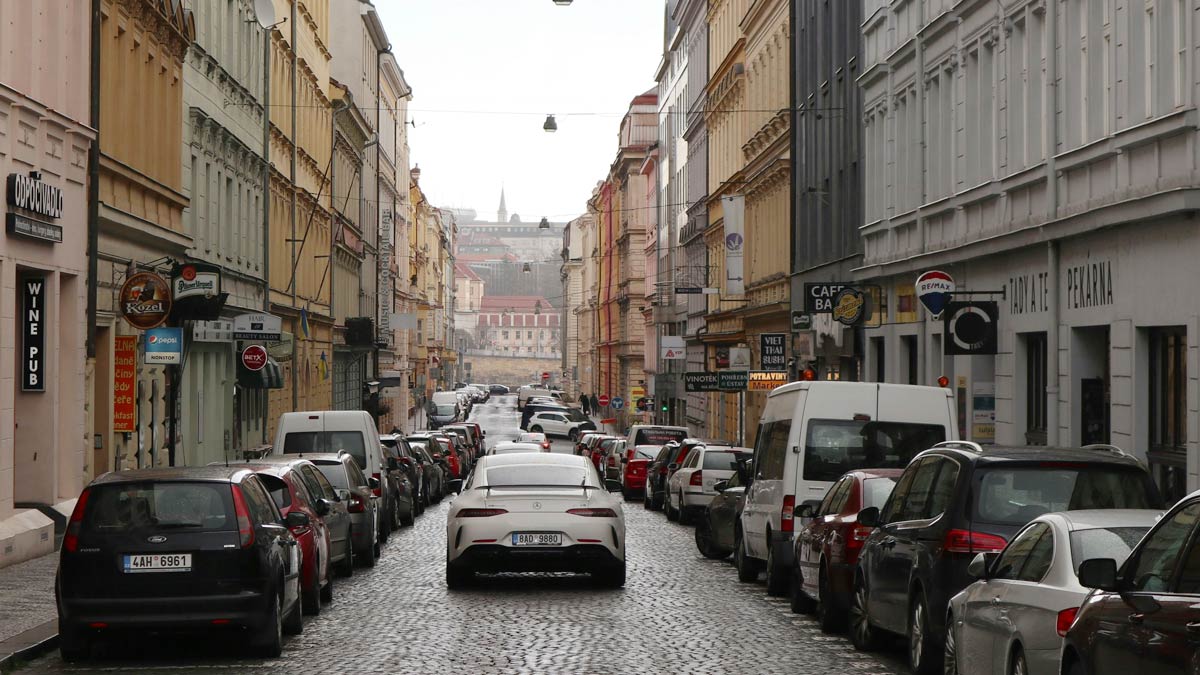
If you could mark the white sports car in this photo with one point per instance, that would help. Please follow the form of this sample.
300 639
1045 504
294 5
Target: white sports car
536 512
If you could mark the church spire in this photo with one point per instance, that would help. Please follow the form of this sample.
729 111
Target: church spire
502 214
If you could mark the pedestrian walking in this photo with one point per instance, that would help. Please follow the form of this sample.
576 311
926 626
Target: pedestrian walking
595 404
585 404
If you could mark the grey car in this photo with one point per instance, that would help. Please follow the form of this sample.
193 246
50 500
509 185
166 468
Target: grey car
354 488
1013 619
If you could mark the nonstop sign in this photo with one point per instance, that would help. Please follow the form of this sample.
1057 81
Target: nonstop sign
164 346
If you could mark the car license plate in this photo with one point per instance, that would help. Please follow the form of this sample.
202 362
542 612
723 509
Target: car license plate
537 539
157 562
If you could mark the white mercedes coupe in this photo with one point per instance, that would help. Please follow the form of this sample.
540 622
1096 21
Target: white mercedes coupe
536 512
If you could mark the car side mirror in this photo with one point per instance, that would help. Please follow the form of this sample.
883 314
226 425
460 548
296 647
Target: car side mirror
297 519
322 507
673 467
342 494
393 464
869 516
981 565
1099 573
807 509
721 485
612 485
437 456
373 483
455 485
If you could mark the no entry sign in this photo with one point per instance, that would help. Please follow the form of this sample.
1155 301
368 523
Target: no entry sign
603 401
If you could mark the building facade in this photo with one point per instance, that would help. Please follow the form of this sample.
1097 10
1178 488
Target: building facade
512 325
1046 167
45 139
691 267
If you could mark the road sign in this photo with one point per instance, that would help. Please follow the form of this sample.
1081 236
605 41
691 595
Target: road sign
254 358
617 403
545 376
603 400
732 380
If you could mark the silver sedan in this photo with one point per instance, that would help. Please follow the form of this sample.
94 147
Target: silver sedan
1013 619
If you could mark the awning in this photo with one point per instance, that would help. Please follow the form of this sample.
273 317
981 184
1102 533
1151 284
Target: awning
270 377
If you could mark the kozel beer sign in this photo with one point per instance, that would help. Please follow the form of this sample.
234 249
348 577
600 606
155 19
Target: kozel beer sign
935 289
145 300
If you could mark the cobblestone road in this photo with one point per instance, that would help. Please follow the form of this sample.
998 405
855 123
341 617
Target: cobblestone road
678 613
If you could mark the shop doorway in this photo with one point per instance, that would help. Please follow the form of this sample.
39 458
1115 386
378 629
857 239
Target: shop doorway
33 435
1090 385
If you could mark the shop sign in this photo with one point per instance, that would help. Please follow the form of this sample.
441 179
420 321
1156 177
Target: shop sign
257 326
971 328
193 281
18 224
124 418
33 334
164 346
773 351
735 243
145 300
935 289
1089 285
739 358
212 331
766 380
732 380
28 193
819 297
1029 293
983 412
254 358
801 320
710 381
850 306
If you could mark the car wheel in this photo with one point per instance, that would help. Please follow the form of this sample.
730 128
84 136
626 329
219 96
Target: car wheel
408 521
458 576
777 579
801 603
270 638
1019 666
327 590
685 517
864 636
312 596
830 616
73 645
612 576
535 429
921 645
394 520
747 571
704 541
385 530
672 514
949 649
573 435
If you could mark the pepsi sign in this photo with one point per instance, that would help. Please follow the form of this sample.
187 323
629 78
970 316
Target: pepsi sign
164 346
935 289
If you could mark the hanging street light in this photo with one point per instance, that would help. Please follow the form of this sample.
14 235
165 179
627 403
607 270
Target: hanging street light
526 269
550 126
545 224
563 3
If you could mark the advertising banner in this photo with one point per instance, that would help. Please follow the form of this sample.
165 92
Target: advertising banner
164 346
735 244
33 335
124 419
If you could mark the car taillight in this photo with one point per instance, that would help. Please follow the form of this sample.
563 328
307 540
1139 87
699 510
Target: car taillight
857 535
593 513
245 528
481 513
71 539
379 481
356 505
1065 619
785 514
299 530
967 541
696 479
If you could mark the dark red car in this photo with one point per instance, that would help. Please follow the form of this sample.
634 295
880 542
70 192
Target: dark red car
633 476
827 547
324 541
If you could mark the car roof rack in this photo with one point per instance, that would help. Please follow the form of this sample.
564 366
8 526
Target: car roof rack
1106 447
969 446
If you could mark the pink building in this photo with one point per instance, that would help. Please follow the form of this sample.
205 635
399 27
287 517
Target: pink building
527 325
44 142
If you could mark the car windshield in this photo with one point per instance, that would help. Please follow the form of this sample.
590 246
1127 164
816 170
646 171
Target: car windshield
316 442
538 475
834 447
336 473
576 415
128 507
658 436
721 460
876 491
1017 495
646 452
444 410
1104 542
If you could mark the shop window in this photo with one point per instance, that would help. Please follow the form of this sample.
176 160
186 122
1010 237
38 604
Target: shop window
1035 388
910 355
877 355
1168 410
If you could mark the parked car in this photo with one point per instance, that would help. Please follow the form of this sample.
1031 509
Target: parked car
591 448
442 453
574 525
498 390
811 434
485 389
1013 619
611 450
531 408
404 477
564 423
531 390
633 474
334 431
358 491
175 549
433 471
535 437
325 541
659 472
511 447
690 488
581 440
956 500
826 548
464 441
1142 616
716 524
654 434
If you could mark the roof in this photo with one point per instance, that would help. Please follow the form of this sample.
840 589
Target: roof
1094 518
537 458
517 303
323 457
995 454
464 271
220 473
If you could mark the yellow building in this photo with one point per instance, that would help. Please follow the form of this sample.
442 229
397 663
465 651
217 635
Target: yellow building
767 187
727 125
300 206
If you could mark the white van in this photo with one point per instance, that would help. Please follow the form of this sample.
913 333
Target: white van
654 434
529 390
332 431
811 433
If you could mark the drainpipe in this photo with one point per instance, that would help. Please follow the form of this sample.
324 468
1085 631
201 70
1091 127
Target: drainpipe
266 205
295 147
93 186
1052 253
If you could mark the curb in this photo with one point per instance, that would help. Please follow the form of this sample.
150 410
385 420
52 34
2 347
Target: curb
28 645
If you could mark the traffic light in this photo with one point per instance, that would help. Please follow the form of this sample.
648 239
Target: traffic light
665 406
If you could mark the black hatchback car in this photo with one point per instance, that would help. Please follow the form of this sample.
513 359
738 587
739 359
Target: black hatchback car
176 550
957 500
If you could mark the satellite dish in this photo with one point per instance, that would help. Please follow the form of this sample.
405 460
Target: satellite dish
264 11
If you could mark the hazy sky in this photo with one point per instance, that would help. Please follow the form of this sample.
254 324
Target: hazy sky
520 56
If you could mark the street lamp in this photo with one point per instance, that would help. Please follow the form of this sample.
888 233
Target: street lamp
562 3
550 126
526 269
545 224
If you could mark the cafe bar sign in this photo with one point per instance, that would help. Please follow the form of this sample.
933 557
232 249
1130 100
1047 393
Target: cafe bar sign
28 196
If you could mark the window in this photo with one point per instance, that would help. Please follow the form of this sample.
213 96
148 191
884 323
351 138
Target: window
1154 568
877 351
875 491
312 442
942 491
278 490
1018 495
1104 542
1168 410
916 505
262 509
138 506
1019 552
1039 558
910 354
721 460
833 447
1035 388
315 486
899 496
771 453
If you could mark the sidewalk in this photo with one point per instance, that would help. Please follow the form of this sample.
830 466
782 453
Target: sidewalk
28 616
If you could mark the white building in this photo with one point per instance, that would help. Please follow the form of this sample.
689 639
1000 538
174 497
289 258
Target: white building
1048 150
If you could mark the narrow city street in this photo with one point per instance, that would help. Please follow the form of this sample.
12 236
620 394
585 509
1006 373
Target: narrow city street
678 613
